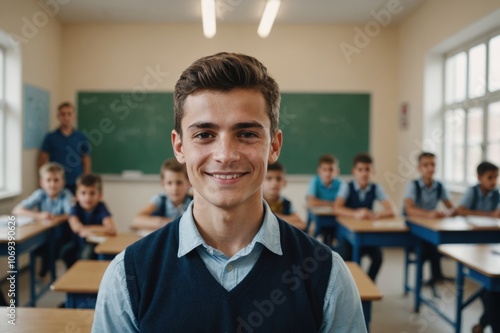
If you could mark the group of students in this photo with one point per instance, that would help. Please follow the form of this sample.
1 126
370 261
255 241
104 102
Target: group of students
356 199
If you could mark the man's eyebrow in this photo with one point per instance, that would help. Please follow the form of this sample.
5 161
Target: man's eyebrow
203 125
253 124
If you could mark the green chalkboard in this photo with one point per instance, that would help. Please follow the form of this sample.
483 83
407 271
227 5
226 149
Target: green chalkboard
132 132
127 131
315 124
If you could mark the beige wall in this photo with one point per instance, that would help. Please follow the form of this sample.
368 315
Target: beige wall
301 58
436 23
41 58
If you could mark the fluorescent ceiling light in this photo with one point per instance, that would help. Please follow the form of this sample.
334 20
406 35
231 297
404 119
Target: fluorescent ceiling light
208 17
270 12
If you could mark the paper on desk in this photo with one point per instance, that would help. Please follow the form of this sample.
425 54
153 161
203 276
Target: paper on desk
20 220
482 221
96 239
388 224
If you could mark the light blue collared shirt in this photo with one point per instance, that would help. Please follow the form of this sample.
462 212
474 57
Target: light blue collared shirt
319 190
60 205
342 311
172 210
379 191
428 195
484 202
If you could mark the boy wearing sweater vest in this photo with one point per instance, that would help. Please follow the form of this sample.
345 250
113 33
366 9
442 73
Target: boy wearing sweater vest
52 204
273 184
89 216
356 200
421 199
484 199
228 264
172 203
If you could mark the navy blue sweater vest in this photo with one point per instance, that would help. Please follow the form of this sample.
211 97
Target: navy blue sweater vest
280 294
353 200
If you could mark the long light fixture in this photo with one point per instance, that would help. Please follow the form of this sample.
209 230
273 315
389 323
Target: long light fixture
267 20
208 17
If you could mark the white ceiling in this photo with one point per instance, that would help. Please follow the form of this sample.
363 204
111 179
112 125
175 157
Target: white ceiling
229 11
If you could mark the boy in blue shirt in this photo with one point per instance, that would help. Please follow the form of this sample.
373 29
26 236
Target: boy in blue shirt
52 204
89 216
172 203
322 192
484 199
274 182
421 199
356 200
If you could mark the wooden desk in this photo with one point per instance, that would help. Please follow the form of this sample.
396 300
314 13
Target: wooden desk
28 238
449 230
113 245
368 291
477 262
81 283
33 320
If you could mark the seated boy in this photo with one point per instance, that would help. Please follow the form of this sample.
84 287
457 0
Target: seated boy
51 204
323 190
89 216
421 199
483 199
273 184
165 207
356 200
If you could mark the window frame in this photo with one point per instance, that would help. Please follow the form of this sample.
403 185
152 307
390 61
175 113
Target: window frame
467 104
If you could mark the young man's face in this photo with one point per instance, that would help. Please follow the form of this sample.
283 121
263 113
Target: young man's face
66 116
88 196
52 183
488 180
273 184
226 145
427 167
362 172
326 172
176 186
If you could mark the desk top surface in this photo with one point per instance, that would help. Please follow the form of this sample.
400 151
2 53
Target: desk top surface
395 224
45 320
83 277
482 258
366 288
26 231
116 244
457 223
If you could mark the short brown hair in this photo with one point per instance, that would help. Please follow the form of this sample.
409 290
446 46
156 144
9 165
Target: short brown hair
64 105
173 165
51 167
327 159
225 72
89 181
425 154
362 158
276 166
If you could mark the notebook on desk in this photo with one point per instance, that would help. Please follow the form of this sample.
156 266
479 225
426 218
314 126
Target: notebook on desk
482 221
19 220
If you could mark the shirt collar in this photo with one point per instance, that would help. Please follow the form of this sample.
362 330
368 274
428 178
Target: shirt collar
358 188
268 234
422 184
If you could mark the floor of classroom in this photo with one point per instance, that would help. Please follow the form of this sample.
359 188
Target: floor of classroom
393 314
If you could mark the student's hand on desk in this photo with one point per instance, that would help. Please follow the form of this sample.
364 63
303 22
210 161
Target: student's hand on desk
364 213
434 214
42 216
84 233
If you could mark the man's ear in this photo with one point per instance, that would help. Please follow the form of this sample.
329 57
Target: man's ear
178 147
276 144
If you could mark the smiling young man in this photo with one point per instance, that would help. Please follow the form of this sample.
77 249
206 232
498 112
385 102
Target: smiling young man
228 264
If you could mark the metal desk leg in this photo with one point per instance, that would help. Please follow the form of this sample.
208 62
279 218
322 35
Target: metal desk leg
32 301
460 295
418 278
356 250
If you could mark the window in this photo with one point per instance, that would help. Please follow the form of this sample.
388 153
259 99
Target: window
471 108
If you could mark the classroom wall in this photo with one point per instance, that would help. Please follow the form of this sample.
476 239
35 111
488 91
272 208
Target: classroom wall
41 58
435 25
302 58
